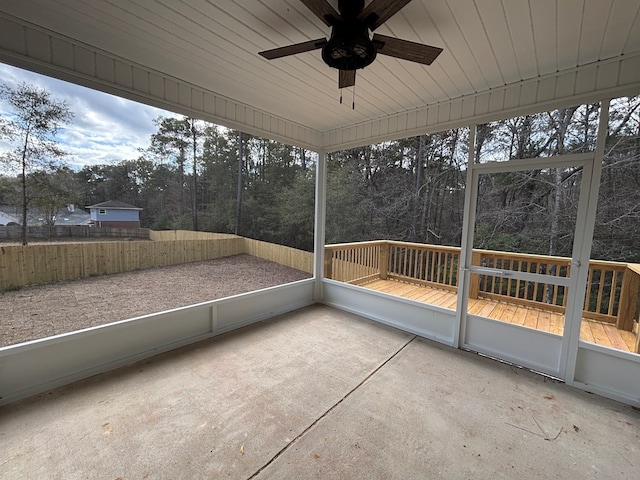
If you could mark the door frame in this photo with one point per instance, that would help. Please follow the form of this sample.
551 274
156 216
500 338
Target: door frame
567 349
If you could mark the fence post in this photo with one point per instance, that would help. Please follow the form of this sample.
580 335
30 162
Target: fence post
628 299
384 260
474 280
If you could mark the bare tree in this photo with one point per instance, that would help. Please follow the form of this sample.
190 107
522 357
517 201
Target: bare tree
31 127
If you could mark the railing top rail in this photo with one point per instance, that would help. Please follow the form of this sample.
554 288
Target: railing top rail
605 263
523 255
337 246
619 266
429 246
612 265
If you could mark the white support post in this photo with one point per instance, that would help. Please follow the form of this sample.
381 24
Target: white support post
466 243
320 222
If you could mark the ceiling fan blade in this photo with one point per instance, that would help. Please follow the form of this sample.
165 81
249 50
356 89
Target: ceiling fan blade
346 78
379 11
322 9
406 50
294 49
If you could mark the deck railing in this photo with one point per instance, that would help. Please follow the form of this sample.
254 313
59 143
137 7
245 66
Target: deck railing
612 288
355 263
604 283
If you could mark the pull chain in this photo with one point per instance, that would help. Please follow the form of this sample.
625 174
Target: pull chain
353 98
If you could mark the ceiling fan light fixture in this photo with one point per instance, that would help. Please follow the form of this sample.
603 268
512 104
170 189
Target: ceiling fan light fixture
347 50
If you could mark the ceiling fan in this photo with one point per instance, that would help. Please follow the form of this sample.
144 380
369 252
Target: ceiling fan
351 45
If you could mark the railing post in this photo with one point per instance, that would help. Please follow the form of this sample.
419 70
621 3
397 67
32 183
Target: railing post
474 280
328 263
384 260
628 299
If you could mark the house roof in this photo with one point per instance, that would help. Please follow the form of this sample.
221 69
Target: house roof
6 218
76 217
500 59
35 216
114 205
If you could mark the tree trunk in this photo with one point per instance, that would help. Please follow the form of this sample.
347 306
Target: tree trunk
195 176
23 230
303 159
240 185
562 125
418 213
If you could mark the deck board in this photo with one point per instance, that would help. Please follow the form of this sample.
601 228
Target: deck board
531 318
551 322
544 322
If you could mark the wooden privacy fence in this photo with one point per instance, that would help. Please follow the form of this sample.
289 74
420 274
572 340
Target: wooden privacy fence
47 263
291 257
159 235
612 289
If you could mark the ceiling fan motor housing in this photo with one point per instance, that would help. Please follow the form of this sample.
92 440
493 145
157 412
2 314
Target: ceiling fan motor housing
349 47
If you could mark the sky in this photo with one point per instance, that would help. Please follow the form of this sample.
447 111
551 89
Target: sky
105 129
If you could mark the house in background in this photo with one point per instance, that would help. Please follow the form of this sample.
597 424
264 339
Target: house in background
114 213
66 216
6 218
71 216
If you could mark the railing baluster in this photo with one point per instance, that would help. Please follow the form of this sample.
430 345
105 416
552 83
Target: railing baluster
554 288
518 281
600 289
614 284
347 264
587 300
534 267
509 281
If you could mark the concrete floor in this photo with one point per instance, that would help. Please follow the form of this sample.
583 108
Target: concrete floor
318 393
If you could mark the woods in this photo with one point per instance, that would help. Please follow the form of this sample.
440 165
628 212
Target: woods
414 189
200 176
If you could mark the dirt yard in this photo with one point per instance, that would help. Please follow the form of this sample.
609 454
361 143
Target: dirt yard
42 311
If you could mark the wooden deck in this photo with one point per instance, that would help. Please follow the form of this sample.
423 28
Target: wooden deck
591 331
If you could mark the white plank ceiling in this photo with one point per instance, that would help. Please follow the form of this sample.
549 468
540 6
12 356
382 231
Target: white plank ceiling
199 57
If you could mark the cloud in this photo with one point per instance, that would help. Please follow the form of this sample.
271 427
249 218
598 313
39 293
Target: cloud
105 128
